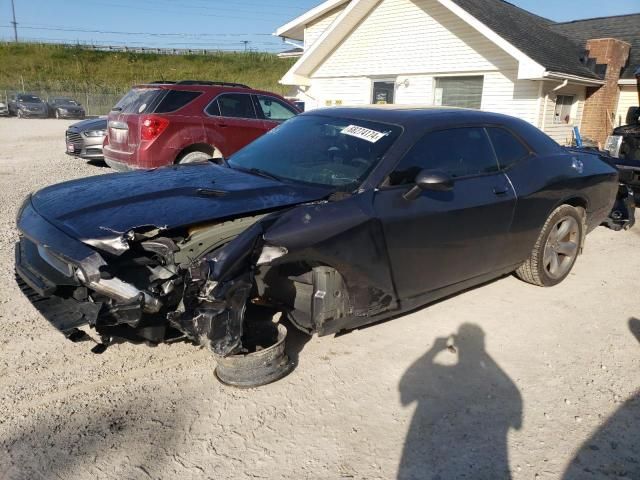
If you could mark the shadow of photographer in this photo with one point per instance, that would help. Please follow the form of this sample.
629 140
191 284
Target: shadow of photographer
464 412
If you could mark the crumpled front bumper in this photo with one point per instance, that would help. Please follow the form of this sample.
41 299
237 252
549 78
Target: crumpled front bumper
60 275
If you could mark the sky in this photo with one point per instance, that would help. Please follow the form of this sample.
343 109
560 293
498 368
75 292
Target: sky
209 24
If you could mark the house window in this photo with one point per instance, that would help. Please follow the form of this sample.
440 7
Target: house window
465 92
562 113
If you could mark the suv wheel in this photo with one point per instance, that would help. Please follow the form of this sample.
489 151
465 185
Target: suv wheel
556 250
194 157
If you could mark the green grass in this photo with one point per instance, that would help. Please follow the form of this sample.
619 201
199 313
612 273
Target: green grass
58 68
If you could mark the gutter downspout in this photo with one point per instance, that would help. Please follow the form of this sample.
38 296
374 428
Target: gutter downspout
546 100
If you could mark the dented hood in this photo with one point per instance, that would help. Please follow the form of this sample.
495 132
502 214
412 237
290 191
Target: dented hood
106 206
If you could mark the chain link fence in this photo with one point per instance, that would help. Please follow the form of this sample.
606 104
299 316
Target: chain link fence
95 104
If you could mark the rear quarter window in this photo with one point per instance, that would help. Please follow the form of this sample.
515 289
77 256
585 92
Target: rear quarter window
508 148
175 100
139 100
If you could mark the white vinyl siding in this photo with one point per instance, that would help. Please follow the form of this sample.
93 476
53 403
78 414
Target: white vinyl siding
407 36
561 132
313 30
628 98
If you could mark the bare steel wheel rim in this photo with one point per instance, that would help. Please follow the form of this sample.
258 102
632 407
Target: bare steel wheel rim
562 247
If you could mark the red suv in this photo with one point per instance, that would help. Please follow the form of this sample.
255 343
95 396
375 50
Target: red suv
161 124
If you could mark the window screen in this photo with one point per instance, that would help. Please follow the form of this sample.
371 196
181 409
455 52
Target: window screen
176 99
459 152
236 105
465 92
273 109
508 148
562 112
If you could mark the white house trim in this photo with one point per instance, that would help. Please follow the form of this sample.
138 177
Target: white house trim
627 81
295 28
324 45
573 79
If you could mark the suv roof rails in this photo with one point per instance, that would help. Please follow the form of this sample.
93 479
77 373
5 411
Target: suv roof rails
206 82
161 82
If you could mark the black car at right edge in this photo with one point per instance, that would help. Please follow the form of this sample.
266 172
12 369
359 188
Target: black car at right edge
338 218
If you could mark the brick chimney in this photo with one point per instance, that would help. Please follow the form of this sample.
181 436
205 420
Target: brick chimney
601 102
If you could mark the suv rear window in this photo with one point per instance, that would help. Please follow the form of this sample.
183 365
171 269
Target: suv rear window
175 100
139 100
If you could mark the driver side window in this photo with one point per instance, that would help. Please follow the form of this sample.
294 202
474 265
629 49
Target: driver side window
458 152
274 110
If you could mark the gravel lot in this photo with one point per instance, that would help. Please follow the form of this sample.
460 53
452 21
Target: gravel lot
538 384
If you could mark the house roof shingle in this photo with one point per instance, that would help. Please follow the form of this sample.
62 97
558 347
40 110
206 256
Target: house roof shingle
531 34
623 27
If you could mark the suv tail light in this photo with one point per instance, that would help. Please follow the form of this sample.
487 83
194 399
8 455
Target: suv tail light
152 127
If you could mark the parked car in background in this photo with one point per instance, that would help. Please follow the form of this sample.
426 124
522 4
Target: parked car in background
155 125
26 105
4 109
84 139
64 107
340 218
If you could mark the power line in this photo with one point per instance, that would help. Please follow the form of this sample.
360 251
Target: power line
182 12
58 28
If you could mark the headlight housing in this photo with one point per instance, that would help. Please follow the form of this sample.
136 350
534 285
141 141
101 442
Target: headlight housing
3 105
613 144
95 133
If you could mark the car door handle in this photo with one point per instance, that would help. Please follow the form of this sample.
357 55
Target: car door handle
500 190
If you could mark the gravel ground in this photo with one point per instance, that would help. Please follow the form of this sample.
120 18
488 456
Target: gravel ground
533 383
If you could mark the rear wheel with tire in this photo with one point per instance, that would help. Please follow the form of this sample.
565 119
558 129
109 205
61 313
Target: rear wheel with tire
556 249
194 157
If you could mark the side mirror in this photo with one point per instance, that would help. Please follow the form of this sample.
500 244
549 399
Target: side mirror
433 180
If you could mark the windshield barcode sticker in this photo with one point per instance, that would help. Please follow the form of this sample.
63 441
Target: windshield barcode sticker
363 133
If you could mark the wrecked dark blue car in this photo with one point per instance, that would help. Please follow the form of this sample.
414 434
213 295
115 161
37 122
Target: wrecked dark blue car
338 218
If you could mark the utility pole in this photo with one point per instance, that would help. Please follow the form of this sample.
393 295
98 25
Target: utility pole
246 44
14 23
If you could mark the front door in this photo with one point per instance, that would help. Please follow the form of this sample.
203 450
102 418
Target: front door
383 92
233 120
443 238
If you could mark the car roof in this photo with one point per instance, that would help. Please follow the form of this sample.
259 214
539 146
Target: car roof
406 115
206 88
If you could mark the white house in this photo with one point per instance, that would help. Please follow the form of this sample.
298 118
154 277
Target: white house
484 54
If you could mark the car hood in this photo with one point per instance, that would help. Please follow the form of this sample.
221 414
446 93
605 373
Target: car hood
90 124
107 206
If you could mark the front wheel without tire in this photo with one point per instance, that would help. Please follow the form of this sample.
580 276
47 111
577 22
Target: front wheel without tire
556 249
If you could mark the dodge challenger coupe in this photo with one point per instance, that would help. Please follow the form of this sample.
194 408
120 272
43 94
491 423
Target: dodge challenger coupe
338 218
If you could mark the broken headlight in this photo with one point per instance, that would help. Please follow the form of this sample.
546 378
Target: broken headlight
613 144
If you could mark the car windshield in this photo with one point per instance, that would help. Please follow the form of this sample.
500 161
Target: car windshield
318 149
29 98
